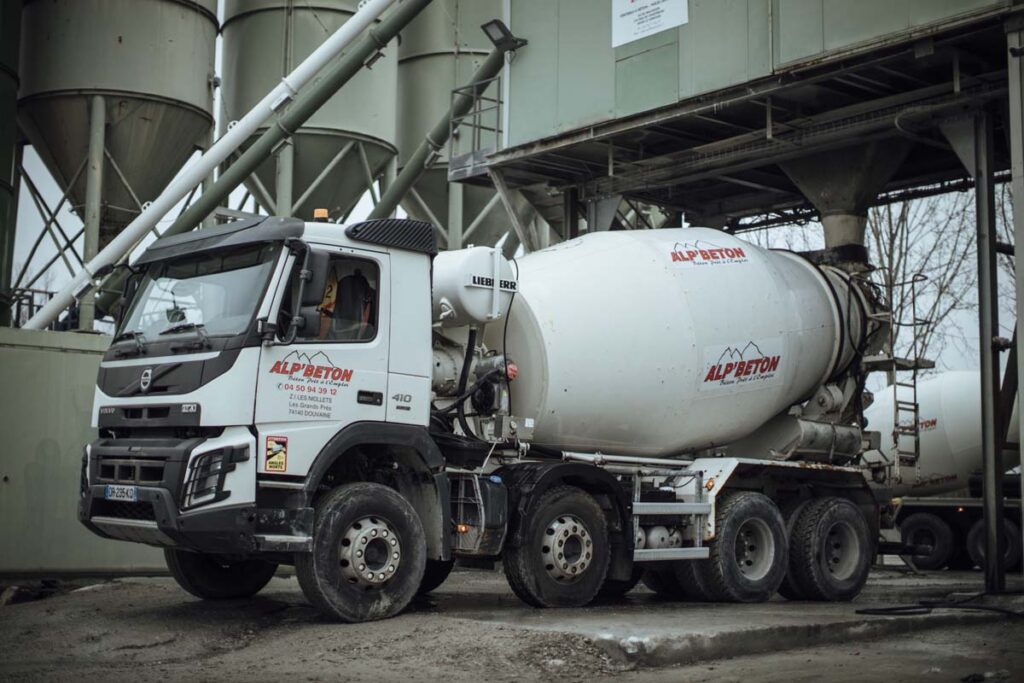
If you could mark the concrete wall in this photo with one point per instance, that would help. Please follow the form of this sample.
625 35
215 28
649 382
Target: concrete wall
570 76
47 379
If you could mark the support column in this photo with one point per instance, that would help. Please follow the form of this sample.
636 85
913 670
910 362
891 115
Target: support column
1015 41
988 328
211 220
285 179
455 208
93 199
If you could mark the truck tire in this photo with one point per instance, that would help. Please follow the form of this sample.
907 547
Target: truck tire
435 573
832 550
926 529
206 577
1011 548
616 588
749 555
565 553
368 557
789 588
662 580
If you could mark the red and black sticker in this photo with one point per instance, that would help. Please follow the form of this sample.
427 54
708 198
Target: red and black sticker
276 457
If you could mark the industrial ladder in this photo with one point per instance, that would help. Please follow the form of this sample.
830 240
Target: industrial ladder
906 432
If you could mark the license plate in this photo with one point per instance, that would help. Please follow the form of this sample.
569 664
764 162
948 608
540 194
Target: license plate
125 493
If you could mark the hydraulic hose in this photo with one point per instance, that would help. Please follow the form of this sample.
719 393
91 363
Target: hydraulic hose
463 378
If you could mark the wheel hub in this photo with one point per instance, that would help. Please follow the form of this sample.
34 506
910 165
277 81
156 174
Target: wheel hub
755 549
842 551
567 548
370 553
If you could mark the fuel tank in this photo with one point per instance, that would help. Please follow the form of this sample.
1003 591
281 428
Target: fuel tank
661 342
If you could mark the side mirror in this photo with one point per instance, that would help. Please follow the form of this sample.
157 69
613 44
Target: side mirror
315 275
310 325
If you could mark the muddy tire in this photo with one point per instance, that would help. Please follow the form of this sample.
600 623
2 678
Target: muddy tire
931 531
663 582
789 588
749 555
563 558
368 556
435 573
1011 544
205 576
832 550
614 588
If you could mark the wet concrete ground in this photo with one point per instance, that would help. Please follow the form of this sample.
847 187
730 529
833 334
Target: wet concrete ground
474 629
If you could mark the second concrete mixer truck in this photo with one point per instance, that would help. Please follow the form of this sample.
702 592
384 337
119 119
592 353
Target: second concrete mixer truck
346 400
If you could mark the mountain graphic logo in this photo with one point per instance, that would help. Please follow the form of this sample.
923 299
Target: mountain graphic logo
741 354
700 252
318 358
742 364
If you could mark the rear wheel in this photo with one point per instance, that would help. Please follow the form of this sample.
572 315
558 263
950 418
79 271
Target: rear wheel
748 558
929 531
832 550
1011 543
564 555
789 588
435 573
210 578
368 554
616 588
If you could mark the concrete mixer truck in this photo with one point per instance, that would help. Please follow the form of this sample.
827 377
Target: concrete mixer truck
938 500
675 403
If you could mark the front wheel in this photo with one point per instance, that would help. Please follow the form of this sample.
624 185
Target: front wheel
435 574
564 555
211 578
368 555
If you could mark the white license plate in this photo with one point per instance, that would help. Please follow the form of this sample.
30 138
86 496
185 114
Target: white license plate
126 493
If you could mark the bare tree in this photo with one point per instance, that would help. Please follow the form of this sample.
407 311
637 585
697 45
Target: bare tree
933 238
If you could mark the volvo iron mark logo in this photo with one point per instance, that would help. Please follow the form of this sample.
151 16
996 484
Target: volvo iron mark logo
146 380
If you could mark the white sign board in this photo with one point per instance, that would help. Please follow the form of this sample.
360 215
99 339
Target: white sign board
636 19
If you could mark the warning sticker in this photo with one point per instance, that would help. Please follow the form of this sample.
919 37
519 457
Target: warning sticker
276 457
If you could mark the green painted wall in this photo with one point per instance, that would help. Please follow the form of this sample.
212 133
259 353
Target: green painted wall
48 379
570 77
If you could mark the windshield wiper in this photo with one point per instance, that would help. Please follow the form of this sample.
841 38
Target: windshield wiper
137 337
202 341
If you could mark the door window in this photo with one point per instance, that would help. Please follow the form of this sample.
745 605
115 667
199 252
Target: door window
349 309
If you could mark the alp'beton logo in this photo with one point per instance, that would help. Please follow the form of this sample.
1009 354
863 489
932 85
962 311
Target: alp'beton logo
741 365
318 366
701 253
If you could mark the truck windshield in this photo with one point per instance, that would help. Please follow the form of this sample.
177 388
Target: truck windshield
218 292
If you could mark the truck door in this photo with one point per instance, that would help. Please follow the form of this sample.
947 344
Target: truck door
336 371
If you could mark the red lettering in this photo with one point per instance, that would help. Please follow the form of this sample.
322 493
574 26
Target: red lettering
319 372
346 375
729 253
710 377
773 364
740 367
690 255
676 256
295 368
728 369
277 367
704 255
739 253
308 371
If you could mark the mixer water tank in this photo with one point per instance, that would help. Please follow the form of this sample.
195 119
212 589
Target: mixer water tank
349 140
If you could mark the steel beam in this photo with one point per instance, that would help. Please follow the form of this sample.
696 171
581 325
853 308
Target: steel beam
285 179
95 161
1015 81
988 329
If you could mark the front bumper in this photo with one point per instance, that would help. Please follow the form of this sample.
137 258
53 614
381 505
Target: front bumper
159 470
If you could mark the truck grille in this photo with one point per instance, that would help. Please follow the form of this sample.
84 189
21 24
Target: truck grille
121 509
138 471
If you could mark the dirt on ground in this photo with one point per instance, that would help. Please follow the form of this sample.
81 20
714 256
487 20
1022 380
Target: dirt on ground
472 629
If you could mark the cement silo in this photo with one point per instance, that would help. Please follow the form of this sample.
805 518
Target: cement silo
115 96
331 159
439 52
151 62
